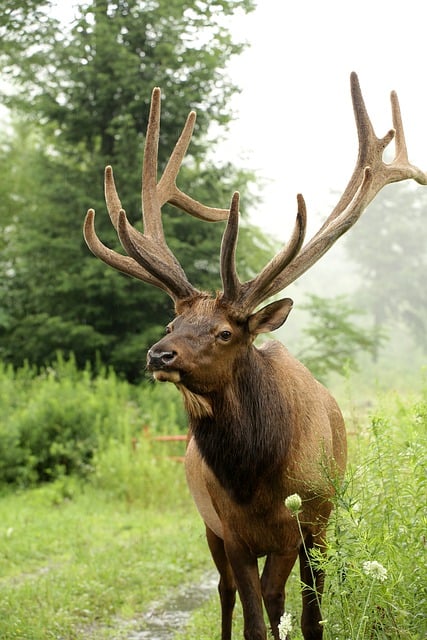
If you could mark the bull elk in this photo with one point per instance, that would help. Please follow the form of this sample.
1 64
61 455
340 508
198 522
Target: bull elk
260 426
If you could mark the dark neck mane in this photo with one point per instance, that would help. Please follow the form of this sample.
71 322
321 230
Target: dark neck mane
246 434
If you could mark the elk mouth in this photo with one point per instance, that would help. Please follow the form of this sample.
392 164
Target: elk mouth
162 365
166 375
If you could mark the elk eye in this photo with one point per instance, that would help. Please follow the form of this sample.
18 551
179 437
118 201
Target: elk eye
168 329
225 335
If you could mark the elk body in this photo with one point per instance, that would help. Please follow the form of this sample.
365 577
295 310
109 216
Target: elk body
260 426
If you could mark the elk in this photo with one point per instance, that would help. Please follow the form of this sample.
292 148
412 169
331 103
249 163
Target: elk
260 426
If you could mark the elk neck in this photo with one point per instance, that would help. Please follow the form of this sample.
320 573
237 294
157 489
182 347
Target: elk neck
244 429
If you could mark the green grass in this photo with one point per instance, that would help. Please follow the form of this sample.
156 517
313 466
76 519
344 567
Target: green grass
73 567
85 559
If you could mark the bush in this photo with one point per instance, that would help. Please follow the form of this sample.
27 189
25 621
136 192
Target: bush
55 421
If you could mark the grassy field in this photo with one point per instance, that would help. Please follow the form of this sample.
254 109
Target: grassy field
76 563
86 558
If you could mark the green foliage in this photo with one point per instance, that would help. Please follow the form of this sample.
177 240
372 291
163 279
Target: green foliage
83 91
334 340
380 517
99 67
16 19
64 421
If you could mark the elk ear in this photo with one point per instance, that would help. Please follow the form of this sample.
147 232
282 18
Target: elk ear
270 317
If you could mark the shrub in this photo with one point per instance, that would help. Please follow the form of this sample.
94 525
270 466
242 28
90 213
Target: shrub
54 421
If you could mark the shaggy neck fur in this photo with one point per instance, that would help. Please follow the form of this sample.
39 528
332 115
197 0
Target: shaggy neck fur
242 430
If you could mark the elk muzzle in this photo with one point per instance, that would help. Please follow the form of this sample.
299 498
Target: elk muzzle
161 363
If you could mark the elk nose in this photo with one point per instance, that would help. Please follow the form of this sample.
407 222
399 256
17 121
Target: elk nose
157 359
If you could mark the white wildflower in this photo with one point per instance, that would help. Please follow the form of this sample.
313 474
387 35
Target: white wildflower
375 570
293 503
285 625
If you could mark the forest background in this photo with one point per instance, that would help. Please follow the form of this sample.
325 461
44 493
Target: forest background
77 97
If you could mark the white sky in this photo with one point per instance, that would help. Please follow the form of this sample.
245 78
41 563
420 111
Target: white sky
294 119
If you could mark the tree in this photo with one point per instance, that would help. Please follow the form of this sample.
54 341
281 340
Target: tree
24 28
86 94
334 338
390 251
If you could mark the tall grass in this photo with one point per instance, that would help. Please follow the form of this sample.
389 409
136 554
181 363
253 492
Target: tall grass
381 517
376 563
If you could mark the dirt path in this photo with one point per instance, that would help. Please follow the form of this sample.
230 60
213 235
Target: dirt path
164 618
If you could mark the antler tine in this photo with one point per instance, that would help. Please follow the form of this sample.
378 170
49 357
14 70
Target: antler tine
230 281
247 296
263 285
114 206
399 137
169 192
151 206
111 196
401 166
156 195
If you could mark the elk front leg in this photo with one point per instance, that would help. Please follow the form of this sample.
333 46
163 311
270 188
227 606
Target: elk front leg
246 575
274 576
226 586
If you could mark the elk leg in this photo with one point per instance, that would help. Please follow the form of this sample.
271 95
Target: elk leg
226 586
245 570
274 576
312 579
